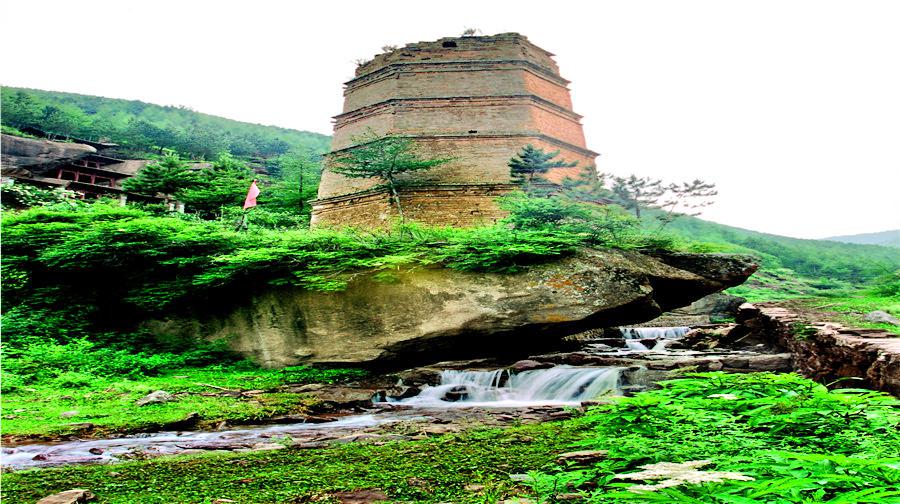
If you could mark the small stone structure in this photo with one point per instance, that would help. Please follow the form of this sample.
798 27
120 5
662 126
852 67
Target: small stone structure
476 100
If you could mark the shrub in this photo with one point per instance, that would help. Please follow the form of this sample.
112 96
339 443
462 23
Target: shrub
27 195
800 441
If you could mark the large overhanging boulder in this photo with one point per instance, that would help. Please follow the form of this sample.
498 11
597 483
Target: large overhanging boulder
424 315
23 155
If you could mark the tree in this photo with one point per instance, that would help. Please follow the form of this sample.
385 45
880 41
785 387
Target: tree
634 193
21 109
167 177
58 121
531 162
297 179
686 199
383 158
223 184
588 187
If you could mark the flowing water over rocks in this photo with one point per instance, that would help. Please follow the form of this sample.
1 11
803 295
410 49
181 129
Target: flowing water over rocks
559 385
444 398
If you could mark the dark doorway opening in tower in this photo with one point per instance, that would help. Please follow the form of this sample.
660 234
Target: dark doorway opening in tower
449 43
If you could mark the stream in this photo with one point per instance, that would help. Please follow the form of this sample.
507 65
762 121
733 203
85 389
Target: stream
462 396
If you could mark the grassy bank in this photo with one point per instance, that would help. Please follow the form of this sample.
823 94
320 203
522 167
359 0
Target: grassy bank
237 393
798 441
852 308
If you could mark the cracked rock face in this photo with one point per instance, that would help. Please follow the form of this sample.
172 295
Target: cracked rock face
435 314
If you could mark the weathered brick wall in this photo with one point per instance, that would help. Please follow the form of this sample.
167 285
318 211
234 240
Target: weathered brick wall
474 159
462 79
554 92
557 125
459 116
436 205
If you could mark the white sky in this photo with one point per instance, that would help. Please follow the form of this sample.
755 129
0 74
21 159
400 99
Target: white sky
791 107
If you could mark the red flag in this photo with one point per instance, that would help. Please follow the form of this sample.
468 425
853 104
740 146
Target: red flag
251 196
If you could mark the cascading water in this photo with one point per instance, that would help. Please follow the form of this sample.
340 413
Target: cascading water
657 333
637 346
499 388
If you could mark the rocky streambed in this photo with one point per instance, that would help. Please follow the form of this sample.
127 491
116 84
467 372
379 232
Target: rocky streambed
440 398
456 395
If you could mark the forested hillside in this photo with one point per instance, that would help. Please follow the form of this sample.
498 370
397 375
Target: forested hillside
144 128
793 265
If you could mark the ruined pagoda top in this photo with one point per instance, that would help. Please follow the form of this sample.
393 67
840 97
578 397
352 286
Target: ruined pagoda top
501 47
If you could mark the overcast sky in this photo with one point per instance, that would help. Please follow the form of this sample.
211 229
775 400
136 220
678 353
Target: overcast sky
791 107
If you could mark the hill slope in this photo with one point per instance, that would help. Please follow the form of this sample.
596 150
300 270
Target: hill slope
884 238
794 266
142 128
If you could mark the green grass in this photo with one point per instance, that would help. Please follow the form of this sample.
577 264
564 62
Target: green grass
851 309
800 442
33 410
434 470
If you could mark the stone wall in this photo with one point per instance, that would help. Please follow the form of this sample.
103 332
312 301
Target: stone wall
828 352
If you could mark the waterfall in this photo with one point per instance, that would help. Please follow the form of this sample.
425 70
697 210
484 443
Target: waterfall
557 385
656 333
636 346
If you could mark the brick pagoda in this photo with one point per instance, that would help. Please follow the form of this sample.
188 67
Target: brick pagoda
477 100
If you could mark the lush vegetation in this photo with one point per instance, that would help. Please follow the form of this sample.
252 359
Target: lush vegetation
131 260
142 128
793 267
800 442
793 440
851 308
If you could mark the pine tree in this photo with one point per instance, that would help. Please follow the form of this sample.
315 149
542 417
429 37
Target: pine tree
382 158
634 193
531 162
167 177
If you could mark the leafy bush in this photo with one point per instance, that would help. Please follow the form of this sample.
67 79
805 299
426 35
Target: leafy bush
606 225
27 195
798 440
